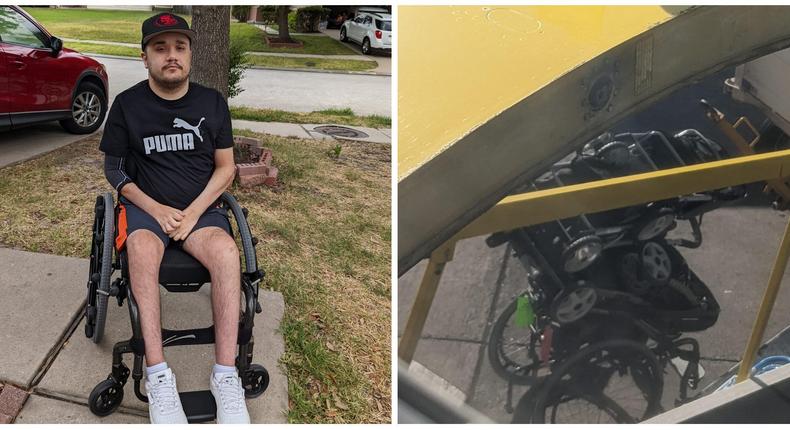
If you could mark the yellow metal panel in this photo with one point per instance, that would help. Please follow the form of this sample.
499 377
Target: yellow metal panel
542 206
461 66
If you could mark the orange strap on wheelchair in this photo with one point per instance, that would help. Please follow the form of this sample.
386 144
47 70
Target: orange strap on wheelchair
120 238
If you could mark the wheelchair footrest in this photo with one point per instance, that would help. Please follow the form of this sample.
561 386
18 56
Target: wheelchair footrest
199 406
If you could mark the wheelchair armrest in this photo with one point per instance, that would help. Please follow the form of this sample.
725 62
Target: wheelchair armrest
250 258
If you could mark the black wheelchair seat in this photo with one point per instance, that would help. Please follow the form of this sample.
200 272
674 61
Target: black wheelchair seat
179 272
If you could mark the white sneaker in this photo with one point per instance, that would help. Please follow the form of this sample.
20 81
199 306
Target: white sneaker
229 395
164 404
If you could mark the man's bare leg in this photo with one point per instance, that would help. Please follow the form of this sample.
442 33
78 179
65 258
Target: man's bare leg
145 250
217 251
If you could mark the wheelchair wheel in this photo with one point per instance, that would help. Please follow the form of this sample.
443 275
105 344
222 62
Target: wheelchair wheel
102 243
256 381
105 398
616 381
513 351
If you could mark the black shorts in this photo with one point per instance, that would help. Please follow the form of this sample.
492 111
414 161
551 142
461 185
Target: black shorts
131 218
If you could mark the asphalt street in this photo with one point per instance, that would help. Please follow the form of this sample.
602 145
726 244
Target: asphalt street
739 246
287 90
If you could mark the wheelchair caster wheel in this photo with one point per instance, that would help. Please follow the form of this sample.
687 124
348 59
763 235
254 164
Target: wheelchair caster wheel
89 330
105 397
256 382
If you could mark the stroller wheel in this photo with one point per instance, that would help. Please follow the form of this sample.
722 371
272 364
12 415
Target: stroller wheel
105 397
655 224
656 263
256 381
572 305
581 253
100 267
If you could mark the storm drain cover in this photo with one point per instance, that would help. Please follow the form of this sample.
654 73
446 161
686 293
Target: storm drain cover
340 131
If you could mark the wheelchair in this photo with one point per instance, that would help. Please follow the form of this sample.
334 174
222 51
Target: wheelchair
179 273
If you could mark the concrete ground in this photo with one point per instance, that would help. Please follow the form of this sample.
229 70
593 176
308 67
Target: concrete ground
20 145
44 351
738 251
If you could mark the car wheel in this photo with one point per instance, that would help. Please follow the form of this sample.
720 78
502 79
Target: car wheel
87 109
366 46
343 36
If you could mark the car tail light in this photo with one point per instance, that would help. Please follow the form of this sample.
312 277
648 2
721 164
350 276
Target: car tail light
378 34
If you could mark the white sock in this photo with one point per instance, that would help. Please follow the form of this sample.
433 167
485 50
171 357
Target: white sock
218 368
150 370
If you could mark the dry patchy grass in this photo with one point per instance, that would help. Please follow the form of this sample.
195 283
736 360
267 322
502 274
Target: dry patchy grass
324 243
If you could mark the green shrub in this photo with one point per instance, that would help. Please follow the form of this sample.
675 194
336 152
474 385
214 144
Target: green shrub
292 20
241 13
238 64
309 18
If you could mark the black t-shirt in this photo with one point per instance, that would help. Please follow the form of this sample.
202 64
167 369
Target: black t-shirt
168 145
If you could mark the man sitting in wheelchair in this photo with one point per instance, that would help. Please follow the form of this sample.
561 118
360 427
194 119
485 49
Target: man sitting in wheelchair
169 155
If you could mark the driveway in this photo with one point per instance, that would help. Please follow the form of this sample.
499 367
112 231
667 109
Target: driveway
19 145
384 60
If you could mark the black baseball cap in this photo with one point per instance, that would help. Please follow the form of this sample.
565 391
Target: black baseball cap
163 23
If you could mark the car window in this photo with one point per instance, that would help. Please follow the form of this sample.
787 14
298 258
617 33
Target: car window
359 20
368 20
384 25
15 28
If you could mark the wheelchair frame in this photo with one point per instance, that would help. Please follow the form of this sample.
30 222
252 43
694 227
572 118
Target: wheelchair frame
199 406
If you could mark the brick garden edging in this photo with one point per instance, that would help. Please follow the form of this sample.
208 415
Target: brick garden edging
274 42
260 172
11 401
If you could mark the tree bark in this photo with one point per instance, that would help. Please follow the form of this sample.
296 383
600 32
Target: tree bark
210 52
282 23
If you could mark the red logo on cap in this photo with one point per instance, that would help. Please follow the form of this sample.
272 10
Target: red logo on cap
166 21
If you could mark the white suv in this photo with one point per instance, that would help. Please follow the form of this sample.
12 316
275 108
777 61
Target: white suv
372 28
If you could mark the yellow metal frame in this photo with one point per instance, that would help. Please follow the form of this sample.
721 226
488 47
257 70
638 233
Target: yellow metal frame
541 206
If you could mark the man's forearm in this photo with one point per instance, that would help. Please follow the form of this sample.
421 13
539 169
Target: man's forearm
139 198
219 182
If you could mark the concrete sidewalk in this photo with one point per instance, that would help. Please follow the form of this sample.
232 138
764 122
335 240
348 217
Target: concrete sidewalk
308 131
44 352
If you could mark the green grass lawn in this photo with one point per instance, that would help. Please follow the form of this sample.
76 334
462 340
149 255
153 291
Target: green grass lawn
124 26
325 240
92 24
251 38
98 48
257 60
329 116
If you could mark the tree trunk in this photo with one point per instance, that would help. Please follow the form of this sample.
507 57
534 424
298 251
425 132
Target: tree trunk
282 23
210 53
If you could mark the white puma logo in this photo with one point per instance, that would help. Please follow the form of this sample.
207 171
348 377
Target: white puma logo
180 123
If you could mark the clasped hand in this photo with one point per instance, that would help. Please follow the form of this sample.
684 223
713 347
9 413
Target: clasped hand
176 223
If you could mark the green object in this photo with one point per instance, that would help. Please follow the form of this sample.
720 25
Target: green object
524 314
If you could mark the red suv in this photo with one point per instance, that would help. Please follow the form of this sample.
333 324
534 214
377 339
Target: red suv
42 81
